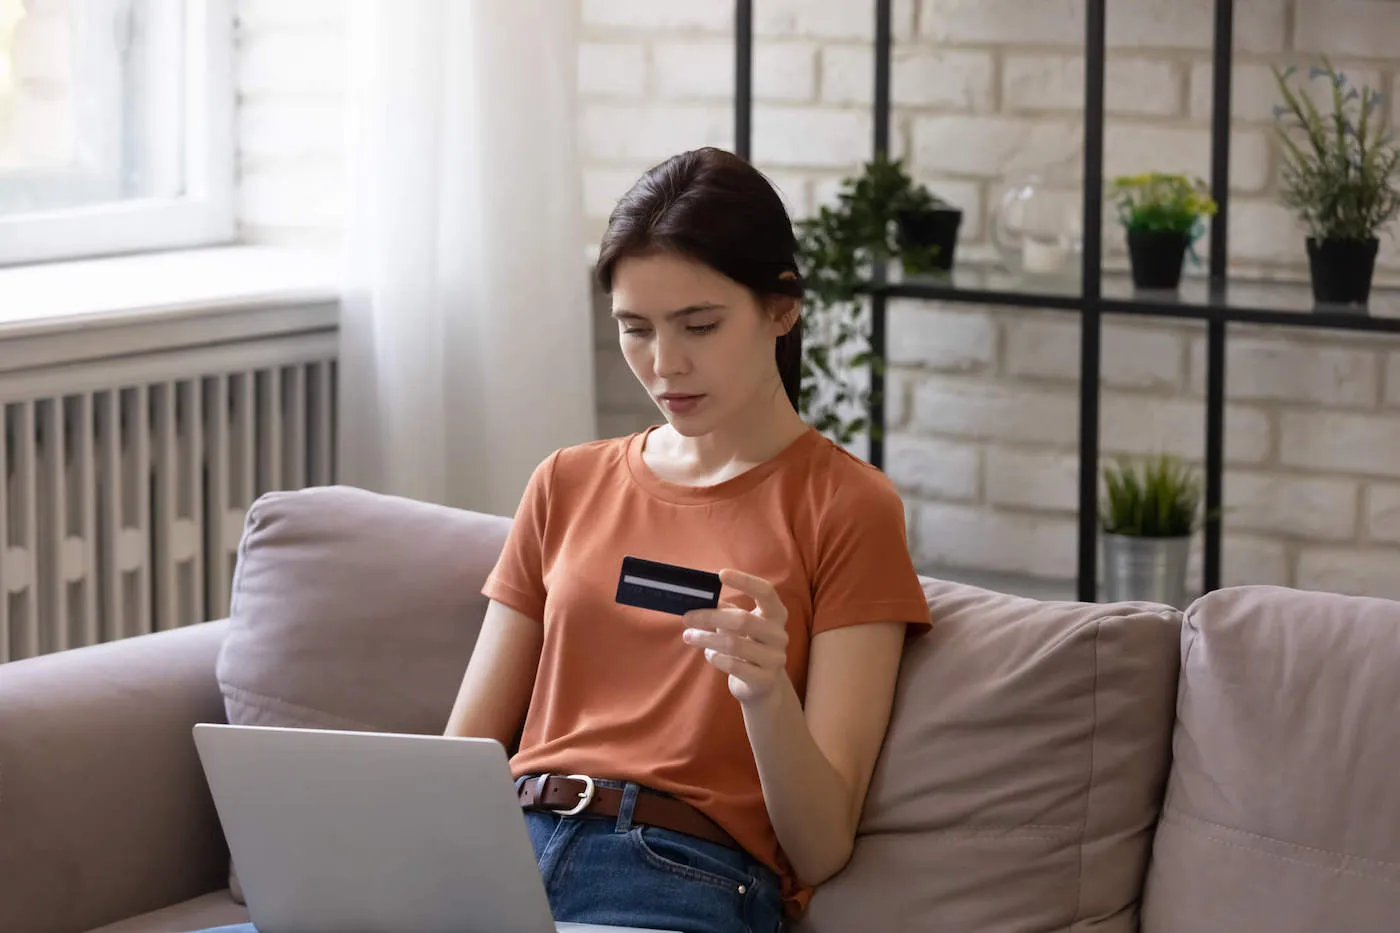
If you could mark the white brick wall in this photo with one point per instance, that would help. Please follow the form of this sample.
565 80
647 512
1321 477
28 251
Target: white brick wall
648 133
1366 28
1148 424
657 15
806 137
1251 559
1334 442
1047 22
1133 357
936 468
1187 24
785 71
1266 232
1349 570
1271 369
1128 147
943 339
982 402
974 538
1323 509
697 69
1141 87
994 411
940 79
1254 90
1158 24
1032 479
847 19
1383 513
993 146
615 69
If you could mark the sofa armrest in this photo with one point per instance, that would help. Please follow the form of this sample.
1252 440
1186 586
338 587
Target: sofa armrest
104 810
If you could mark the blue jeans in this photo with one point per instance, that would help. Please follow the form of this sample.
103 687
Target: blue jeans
612 871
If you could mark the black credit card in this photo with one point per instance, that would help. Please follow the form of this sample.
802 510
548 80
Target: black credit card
649 584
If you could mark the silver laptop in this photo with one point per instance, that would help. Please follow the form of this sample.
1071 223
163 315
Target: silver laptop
359 832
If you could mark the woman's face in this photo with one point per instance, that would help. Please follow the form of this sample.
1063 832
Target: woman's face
700 343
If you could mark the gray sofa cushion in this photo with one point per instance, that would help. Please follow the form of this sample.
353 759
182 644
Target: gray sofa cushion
103 809
354 610
1283 807
200 913
1022 773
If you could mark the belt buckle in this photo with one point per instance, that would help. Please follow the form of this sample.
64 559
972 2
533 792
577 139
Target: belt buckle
585 798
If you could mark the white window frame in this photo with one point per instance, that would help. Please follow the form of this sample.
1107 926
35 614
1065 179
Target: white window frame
203 214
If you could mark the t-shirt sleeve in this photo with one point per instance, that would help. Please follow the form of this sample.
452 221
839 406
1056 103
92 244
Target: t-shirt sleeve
864 572
517 580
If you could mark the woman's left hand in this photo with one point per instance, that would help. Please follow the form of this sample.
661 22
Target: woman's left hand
751 647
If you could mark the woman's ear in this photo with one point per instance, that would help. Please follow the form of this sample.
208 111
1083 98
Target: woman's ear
786 311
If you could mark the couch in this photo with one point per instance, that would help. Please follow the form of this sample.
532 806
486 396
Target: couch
1049 766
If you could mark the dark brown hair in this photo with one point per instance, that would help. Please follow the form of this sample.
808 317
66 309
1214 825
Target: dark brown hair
711 206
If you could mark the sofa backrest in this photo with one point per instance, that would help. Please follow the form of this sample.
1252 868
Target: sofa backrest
354 610
1022 773
1282 811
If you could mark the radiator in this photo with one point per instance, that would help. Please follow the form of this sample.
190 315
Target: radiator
124 498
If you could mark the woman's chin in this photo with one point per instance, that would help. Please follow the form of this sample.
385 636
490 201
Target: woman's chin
689 425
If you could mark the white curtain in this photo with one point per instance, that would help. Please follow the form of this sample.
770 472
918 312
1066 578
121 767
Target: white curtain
466 347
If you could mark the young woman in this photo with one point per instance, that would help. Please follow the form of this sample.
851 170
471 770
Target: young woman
726 753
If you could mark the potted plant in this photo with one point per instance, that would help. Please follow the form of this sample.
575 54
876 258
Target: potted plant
1148 514
880 215
1164 216
1341 175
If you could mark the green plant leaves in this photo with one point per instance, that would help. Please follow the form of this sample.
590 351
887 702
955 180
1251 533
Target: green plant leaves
1340 172
837 249
1158 498
1162 202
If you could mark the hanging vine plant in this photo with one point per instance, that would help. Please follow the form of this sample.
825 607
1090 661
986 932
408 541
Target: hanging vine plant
880 215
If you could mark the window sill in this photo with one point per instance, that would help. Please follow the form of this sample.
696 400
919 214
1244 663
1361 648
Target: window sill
53 313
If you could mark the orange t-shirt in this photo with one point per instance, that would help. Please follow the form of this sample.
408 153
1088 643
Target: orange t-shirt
618 693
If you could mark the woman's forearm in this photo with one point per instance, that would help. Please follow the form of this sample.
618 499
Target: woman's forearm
809 802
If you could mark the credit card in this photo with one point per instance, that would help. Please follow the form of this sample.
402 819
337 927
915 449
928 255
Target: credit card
649 584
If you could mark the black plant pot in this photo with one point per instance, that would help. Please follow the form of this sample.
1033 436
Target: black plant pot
1342 270
1157 257
938 227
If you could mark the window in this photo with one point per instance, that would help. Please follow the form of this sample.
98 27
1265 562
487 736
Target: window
115 126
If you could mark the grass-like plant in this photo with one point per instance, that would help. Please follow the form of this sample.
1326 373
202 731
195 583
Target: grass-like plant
1158 498
1341 169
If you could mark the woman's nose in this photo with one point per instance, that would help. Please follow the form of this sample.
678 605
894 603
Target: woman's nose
669 357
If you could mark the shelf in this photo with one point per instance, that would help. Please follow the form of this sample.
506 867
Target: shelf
1288 304
990 285
976 282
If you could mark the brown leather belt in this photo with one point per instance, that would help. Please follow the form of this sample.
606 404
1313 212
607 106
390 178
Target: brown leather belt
571 795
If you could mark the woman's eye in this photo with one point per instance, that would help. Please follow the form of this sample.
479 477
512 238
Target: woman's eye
634 331
702 328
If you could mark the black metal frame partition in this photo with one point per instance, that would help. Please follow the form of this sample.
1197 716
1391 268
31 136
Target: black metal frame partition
1217 306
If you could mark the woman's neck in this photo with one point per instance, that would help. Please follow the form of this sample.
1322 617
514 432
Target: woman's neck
728 451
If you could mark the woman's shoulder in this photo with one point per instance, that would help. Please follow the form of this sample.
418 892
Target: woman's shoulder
846 481
579 461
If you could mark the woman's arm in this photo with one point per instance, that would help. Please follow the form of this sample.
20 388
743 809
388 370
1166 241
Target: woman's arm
814 765
495 691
